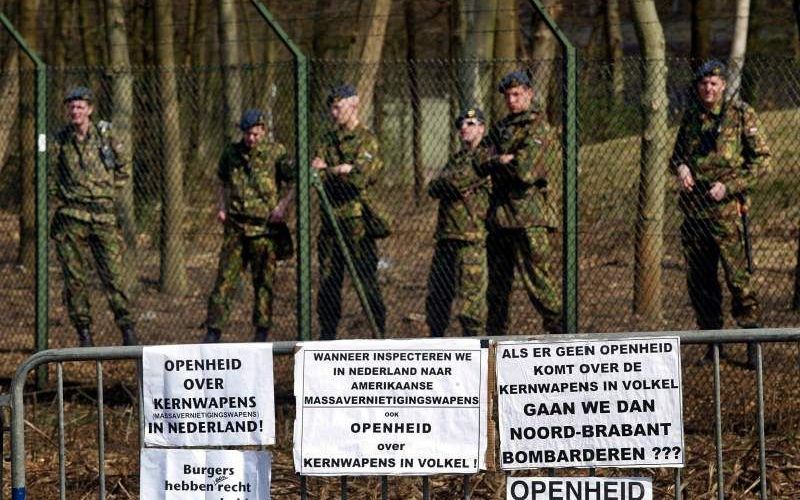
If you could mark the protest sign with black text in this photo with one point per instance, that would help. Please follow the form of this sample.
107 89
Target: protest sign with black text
204 475
390 407
208 395
590 403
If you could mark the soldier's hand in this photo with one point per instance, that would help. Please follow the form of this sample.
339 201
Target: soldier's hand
505 159
685 178
344 168
717 191
318 163
221 215
278 215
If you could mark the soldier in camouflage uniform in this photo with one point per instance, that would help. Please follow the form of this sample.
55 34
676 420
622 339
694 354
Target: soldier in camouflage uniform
515 154
348 161
719 148
89 167
458 270
256 177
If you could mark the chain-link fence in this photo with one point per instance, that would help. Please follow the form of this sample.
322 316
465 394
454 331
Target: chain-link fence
411 107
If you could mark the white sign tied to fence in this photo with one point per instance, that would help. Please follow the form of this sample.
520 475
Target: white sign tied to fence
204 475
578 488
590 403
390 407
208 395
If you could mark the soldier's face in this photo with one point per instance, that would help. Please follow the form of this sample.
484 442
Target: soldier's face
711 90
471 131
518 99
253 135
79 112
343 110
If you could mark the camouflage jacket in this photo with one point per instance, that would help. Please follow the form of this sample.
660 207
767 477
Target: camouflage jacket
358 147
255 181
519 189
724 145
463 199
83 184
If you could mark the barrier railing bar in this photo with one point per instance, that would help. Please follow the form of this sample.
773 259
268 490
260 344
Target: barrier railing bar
426 488
101 435
98 354
678 492
718 425
384 488
343 486
62 451
762 456
467 487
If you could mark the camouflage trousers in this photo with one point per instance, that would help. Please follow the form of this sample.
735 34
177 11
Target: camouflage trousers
238 252
526 251
75 240
707 243
458 273
364 252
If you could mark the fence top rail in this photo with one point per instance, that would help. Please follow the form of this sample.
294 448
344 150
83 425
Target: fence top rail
288 347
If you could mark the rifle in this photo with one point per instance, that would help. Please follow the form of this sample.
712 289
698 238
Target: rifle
748 244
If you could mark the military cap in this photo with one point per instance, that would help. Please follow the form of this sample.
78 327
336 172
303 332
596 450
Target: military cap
475 113
712 67
514 79
79 94
251 118
341 92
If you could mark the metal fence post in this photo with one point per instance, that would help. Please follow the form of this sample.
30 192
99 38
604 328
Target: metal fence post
569 145
303 176
41 192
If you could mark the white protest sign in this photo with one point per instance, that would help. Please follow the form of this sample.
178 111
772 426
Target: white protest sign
208 395
390 407
579 488
590 403
204 474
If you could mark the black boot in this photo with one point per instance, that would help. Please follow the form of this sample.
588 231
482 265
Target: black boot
129 336
752 356
85 337
212 336
261 334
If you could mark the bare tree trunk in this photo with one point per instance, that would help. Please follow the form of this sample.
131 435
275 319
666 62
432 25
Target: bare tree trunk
738 48
63 17
614 51
473 27
172 277
9 92
229 55
90 57
413 90
372 54
543 53
198 147
27 132
796 9
654 157
701 32
122 99
796 299
505 47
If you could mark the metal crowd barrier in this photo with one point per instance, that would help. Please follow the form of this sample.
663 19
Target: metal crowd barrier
102 354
